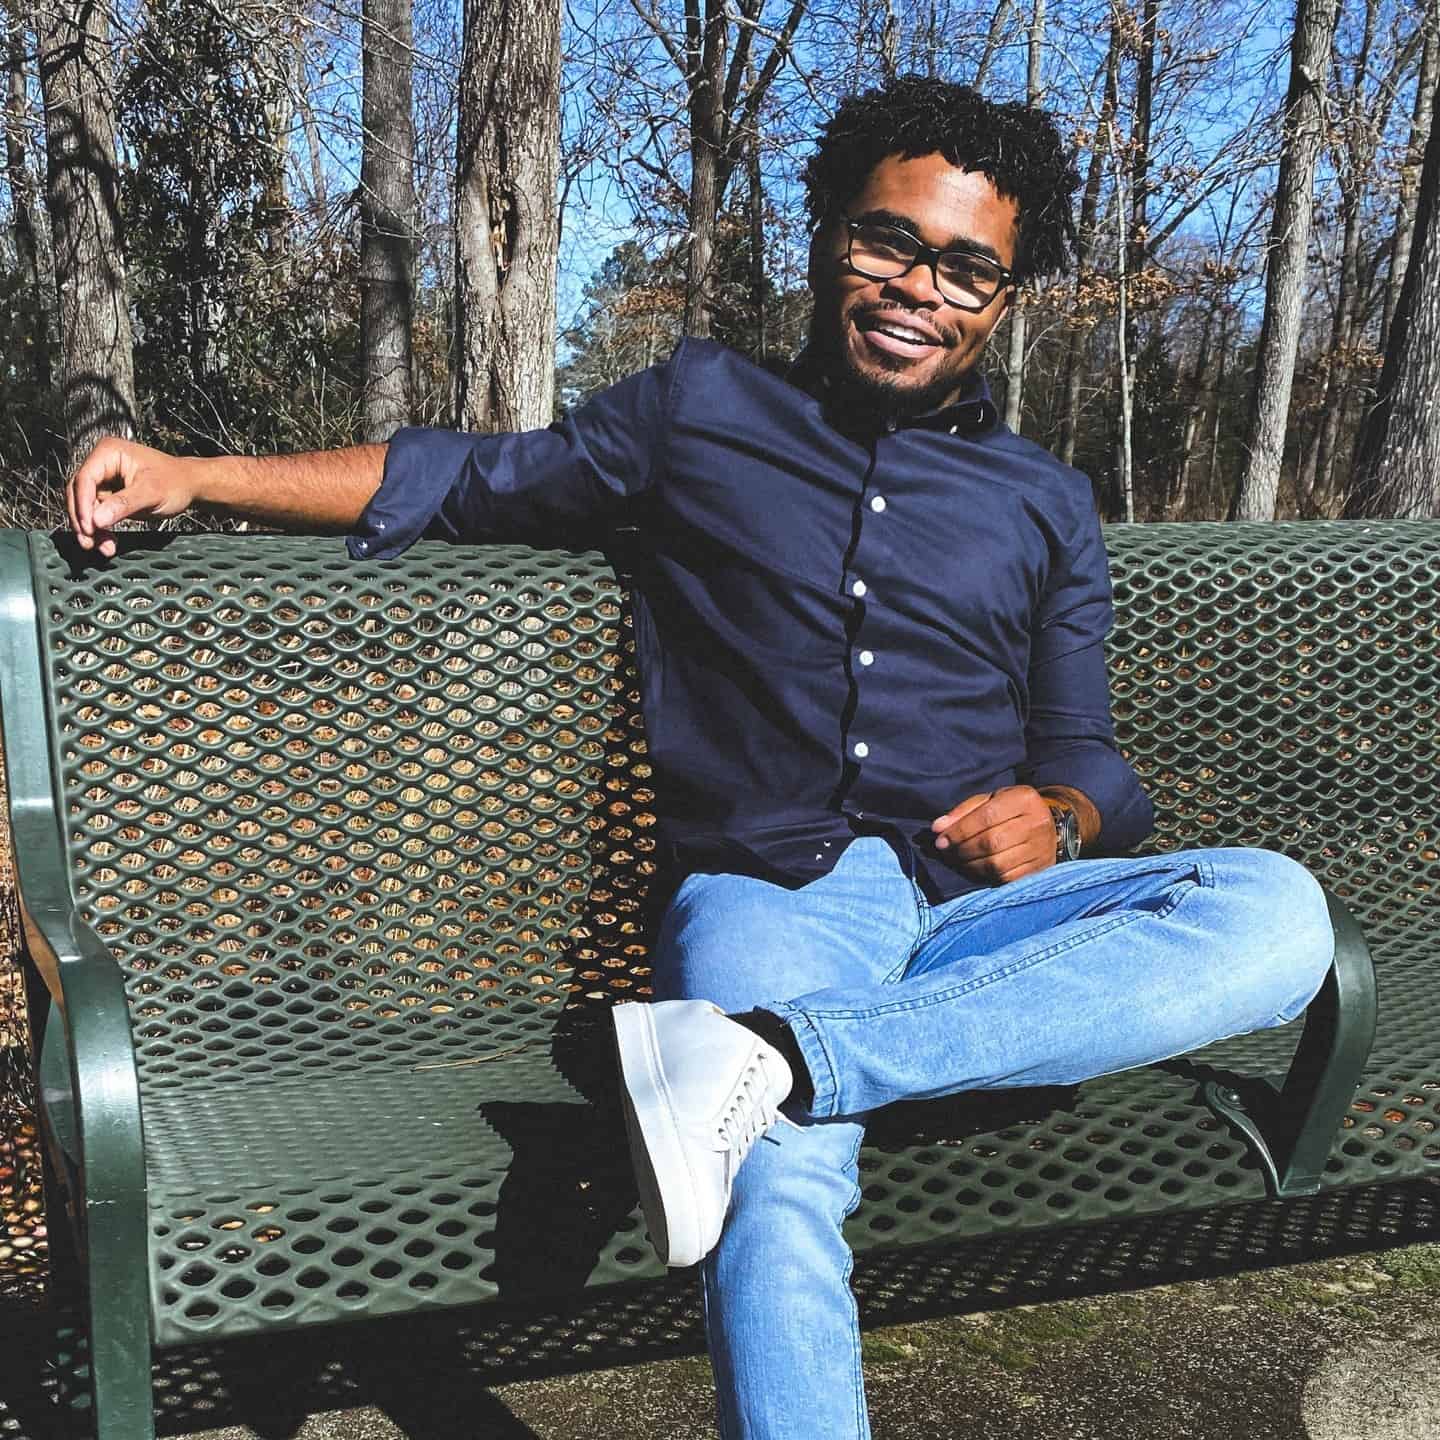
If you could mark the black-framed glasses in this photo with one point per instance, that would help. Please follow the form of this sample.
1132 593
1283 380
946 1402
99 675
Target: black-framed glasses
885 252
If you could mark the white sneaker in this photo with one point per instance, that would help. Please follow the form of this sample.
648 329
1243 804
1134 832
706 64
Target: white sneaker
699 1090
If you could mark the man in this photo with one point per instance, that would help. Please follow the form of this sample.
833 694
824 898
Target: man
869 624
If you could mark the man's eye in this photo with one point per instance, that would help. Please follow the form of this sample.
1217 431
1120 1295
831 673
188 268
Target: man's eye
968 270
887 242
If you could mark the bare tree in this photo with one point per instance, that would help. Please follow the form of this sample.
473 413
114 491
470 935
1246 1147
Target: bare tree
387 211
1015 362
713 58
506 223
995 37
1421 120
97 362
1363 116
1397 472
24 197
1303 135
1085 238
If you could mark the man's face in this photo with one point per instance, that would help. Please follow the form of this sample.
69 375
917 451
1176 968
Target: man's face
898 341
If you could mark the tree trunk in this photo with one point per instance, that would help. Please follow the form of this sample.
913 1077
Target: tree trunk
1084 248
1137 248
757 236
1122 328
507 168
319 197
277 70
24 199
890 43
998 22
706 49
1421 121
1304 132
1397 471
387 211
1352 167
97 362
1140 186
1222 351
1015 368
1194 414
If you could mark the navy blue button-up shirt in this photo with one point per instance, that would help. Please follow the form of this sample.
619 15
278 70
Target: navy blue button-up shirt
842 626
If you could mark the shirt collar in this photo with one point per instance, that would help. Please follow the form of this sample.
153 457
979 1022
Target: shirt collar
974 413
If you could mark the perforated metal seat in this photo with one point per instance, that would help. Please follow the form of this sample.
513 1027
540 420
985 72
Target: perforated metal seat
368 844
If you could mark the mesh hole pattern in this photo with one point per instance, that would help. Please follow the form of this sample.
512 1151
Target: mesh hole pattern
361 834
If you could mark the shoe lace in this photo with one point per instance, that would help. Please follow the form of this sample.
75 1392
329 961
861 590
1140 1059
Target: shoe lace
750 1113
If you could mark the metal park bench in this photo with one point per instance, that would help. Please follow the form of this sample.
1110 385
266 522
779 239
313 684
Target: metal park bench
332 869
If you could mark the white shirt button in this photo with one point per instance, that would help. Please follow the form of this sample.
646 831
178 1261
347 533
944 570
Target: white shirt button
867 657
877 503
861 749
858 589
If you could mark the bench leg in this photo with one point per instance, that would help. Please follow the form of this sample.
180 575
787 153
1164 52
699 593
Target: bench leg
119 1362
101 1271
1293 1132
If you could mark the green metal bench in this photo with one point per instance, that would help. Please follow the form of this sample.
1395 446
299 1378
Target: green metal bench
332 870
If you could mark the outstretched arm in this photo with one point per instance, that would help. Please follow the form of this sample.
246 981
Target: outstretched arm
320 490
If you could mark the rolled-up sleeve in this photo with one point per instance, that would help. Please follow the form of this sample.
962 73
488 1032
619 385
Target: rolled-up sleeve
549 488
1069 735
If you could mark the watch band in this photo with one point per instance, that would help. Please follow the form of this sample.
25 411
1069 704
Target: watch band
1067 829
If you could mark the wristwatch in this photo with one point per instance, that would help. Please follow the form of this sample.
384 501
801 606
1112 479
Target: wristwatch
1067 830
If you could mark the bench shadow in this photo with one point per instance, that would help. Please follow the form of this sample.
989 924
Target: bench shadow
434 1376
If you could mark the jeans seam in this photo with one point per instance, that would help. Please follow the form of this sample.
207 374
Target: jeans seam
1109 923
1079 883
908 948
857 1366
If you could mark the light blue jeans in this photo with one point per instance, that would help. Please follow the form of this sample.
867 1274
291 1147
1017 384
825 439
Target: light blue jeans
1080 970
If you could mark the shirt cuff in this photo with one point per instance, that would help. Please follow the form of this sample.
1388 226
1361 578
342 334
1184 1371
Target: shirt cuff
1100 771
421 468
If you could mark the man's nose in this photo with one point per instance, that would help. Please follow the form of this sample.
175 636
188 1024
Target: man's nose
917 285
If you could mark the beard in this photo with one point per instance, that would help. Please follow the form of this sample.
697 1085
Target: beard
874 389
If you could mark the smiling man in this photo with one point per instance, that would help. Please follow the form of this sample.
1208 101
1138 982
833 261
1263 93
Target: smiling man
869 625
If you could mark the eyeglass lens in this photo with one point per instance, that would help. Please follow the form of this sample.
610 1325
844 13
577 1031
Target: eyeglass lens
882 252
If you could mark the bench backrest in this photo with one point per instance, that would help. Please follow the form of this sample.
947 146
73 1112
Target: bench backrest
373 808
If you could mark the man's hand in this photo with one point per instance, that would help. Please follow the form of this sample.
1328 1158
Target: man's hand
120 480
998 837
320 490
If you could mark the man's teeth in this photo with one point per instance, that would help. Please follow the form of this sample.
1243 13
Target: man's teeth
898 332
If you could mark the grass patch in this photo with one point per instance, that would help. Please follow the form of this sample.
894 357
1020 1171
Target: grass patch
1414 1268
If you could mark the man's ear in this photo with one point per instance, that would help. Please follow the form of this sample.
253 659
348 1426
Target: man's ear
821 263
1007 302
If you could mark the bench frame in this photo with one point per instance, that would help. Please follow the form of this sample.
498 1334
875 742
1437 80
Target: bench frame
90 1095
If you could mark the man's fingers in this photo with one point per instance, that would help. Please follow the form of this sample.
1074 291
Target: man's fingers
1012 860
982 813
942 824
997 841
115 506
104 463
1030 867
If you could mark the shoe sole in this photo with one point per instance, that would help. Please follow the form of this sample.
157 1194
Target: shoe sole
667 1192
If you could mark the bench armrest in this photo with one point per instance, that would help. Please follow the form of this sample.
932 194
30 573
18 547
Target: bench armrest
89 1089
1293 1132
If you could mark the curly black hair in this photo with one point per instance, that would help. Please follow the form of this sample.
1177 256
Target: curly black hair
1016 147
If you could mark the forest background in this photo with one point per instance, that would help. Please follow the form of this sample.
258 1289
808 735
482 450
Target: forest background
256 225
